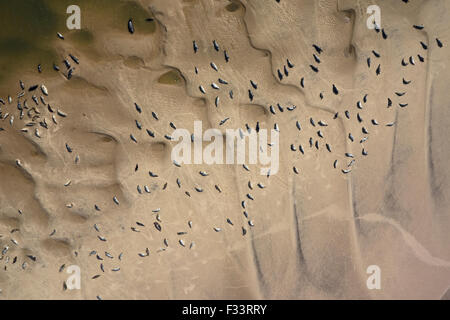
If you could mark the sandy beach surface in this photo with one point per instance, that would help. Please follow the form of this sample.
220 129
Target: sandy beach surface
87 178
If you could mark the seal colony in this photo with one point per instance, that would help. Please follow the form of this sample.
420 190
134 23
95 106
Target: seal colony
163 214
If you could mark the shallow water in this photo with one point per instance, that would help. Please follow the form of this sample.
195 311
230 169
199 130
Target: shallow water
28 30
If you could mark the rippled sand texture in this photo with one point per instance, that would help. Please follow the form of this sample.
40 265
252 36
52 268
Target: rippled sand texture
315 232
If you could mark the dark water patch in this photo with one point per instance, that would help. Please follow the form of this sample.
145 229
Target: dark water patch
233 6
170 77
82 37
20 55
26 30
134 62
32 20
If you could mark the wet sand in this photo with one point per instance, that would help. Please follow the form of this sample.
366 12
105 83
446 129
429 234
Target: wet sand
315 232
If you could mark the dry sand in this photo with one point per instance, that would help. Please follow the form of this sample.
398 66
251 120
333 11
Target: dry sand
315 232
